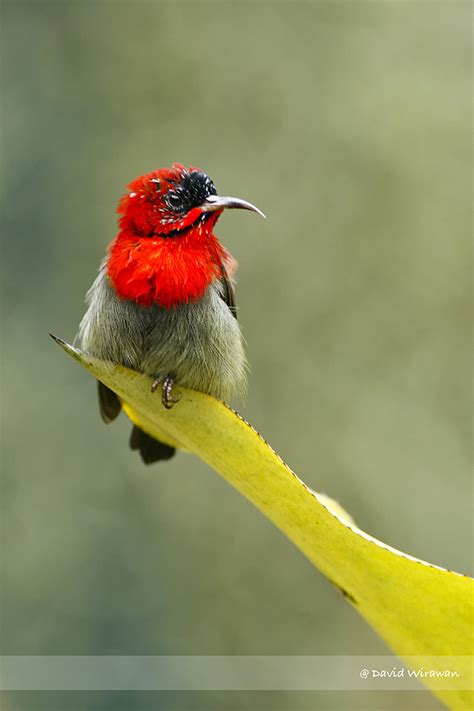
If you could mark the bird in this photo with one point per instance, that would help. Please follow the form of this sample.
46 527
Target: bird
163 302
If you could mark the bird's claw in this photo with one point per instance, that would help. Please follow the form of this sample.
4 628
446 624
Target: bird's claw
167 397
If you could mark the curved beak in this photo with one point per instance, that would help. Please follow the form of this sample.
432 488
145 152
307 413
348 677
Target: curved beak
217 202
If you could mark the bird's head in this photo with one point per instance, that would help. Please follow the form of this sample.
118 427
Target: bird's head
171 201
166 252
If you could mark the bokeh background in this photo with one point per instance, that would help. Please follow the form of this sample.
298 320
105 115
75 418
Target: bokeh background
348 123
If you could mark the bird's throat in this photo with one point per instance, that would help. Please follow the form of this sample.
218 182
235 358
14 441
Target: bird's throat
165 271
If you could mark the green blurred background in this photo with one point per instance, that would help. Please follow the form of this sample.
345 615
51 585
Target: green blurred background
348 123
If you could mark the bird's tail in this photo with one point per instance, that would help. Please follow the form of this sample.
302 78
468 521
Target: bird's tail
150 449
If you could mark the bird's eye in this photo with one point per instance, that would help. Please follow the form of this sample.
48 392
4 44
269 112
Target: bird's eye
174 199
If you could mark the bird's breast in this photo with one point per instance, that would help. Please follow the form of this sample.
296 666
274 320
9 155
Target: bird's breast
199 342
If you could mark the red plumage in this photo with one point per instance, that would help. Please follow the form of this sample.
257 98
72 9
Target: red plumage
167 271
159 256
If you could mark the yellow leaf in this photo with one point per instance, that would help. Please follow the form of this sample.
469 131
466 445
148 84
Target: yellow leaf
419 609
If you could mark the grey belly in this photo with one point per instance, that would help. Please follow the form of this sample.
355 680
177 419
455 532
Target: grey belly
200 344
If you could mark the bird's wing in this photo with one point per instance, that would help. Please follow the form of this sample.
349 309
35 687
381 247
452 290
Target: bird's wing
109 403
228 293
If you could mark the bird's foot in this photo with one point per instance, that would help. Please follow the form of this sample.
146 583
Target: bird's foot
167 397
